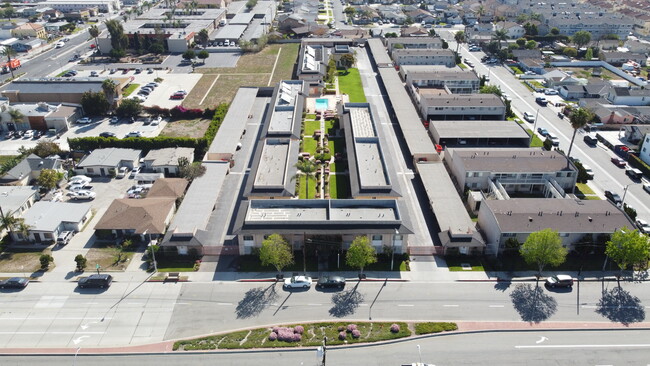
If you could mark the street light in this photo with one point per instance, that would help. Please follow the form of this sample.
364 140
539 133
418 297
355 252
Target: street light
392 255
534 128
625 193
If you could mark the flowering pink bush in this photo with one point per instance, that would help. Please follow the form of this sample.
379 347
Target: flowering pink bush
297 337
341 328
299 329
275 329
273 336
356 334
343 335
394 328
351 327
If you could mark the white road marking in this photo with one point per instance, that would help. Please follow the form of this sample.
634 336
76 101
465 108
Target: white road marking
183 303
51 302
224 303
541 340
363 304
409 305
51 318
496 306
314 304
451 306
587 346
90 303
56 333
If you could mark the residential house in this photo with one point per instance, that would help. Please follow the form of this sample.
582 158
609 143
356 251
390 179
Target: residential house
511 170
421 16
514 30
634 134
629 96
590 221
591 90
414 32
428 56
166 160
523 54
66 6
287 22
6 29
644 148
15 200
479 133
618 114
148 217
29 30
106 162
393 16
28 170
532 64
597 23
27 44
635 45
557 78
168 187
46 220
619 58
312 66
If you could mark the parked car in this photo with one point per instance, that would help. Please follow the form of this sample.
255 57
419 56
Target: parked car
134 172
542 131
95 281
59 45
506 97
138 71
114 120
589 171
618 162
94 74
113 71
590 140
28 134
14 282
154 84
181 92
559 281
9 134
613 197
84 195
529 117
297 282
133 134
555 141
84 121
549 91
149 71
541 101
177 96
156 121
646 187
64 237
643 226
107 134
79 178
76 187
331 282
144 92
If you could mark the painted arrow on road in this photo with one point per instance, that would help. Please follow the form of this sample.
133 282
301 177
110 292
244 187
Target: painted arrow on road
80 339
85 326
542 339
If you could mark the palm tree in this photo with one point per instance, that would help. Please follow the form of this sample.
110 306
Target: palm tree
9 222
109 86
9 51
94 32
16 115
203 36
500 35
579 118
480 12
308 169
23 228
460 38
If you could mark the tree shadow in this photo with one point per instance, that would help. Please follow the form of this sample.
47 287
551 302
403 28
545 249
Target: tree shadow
620 306
346 302
532 304
640 276
502 285
254 301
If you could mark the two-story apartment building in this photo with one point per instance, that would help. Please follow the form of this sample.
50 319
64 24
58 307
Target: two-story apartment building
442 106
430 76
528 170
412 42
426 56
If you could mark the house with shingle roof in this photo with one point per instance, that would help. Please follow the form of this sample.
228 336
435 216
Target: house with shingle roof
145 217
28 170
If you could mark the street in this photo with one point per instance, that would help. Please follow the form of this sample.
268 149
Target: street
531 348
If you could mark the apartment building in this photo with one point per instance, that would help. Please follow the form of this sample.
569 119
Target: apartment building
429 76
439 105
426 56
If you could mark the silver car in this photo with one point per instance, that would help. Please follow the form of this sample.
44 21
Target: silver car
297 282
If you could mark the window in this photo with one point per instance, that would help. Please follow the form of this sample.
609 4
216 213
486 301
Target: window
376 237
508 235
248 237
398 237
90 170
266 237
564 235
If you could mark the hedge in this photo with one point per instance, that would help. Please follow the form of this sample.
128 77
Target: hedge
428 328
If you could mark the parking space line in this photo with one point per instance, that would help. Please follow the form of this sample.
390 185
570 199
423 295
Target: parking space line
274 65
210 88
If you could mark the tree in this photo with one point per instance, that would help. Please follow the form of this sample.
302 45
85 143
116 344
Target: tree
203 37
276 251
361 253
49 178
581 38
81 262
530 29
16 115
308 169
579 118
491 89
349 11
543 247
9 52
408 20
331 70
156 48
94 103
129 108
137 44
45 260
610 36
9 222
480 12
347 61
117 54
555 31
589 54
521 42
445 45
500 35
95 32
119 41
390 35
189 55
521 18
570 52
46 148
146 43
203 54
398 46
9 12
190 171
459 37
628 247
250 4
531 45
109 87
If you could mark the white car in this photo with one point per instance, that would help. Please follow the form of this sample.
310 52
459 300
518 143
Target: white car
28 134
59 44
181 92
643 226
506 97
646 187
121 173
156 121
84 121
550 91
133 134
79 179
134 172
84 195
78 187
297 282
529 117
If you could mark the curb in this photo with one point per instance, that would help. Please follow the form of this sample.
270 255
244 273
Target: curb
497 279
347 280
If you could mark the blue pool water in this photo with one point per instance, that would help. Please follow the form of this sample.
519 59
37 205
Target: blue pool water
322 104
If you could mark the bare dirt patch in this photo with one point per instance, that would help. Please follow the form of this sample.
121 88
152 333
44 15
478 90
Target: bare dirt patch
20 261
194 128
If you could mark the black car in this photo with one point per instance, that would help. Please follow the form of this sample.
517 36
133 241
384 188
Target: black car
96 281
107 134
613 197
14 282
559 281
331 282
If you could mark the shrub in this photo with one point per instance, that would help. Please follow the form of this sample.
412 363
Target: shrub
273 336
430 327
394 328
182 112
81 262
299 329
342 335
45 260
286 334
356 334
341 328
351 327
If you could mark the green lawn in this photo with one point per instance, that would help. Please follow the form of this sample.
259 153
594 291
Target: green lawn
339 186
310 116
129 89
331 125
336 145
350 84
516 70
310 127
251 263
341 166
309 145
302 186
172 265
537 142
5 158
462 66
454 264
585 193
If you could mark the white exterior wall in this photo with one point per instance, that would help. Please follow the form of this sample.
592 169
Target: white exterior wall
644 149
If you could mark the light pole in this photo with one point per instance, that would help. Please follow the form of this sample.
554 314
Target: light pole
392 254
153 256
534 126
420 353
625 193
74 360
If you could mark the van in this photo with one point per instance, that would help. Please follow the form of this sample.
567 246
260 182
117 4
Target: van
589 171
634 173
541 101
64 237
96 281
590 140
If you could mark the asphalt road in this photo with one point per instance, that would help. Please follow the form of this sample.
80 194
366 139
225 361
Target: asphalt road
543 348
607 176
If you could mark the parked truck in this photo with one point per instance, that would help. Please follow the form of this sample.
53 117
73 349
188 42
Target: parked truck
10 65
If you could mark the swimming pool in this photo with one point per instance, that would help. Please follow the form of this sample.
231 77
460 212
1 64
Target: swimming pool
322 104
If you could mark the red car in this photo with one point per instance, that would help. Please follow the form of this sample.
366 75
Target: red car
618 162
177 96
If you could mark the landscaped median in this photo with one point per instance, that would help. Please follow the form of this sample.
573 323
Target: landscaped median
312 334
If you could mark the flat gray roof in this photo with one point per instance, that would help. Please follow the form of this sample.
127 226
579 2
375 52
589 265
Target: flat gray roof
241 18
284 113
234 124
427 72
47 216
110 157
200 200
463 100
272 168
379 52
231 32
13 197
416 136
510 160
370 163
478 129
